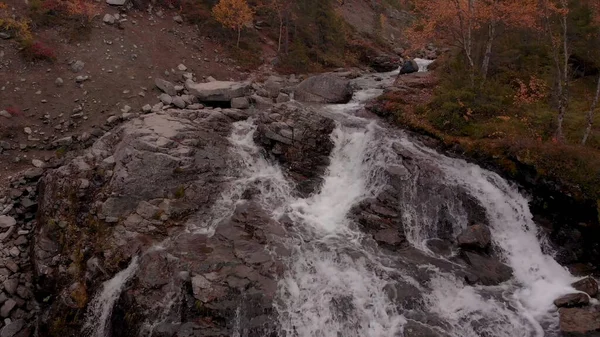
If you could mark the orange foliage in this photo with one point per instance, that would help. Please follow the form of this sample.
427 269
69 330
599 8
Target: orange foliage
233 14
531 92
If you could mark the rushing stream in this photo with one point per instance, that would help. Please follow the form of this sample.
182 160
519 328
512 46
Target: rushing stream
337 279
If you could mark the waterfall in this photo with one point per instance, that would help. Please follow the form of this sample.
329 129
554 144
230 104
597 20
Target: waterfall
101 307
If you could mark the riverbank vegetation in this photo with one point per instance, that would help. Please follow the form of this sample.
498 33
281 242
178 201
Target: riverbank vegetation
518 86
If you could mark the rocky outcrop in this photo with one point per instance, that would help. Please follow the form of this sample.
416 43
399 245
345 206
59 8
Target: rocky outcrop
486 270
136 186
217 91
299 139
325 88
580 322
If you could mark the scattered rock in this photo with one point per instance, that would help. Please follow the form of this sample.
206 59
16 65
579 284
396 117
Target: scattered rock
37 163
81 78
166 86
59 82
181 67
7 221
240 103
116 2
261 102
475 237
12 328
572 300
5 113
11 285
146 108
27 130
166 99
325 88
5 36
178 102
282 98
7 307
77 66
178 19
587 285
108 19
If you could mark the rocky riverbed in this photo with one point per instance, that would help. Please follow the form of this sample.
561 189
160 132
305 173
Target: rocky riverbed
229 210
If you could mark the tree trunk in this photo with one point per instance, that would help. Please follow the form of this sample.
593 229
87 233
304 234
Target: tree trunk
287 33
488 50
280 32
238 39
469 42
590 115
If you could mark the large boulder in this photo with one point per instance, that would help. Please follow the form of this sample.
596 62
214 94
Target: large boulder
588 285
475 237
580 322
572 300
384 63
217 91
325 88
409 67
486 270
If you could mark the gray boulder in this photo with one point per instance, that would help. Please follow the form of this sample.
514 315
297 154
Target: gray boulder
486 270
166 86
217 91
325 88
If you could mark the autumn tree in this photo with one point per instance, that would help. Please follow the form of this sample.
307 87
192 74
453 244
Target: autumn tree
595 9
233 14
457 23
284 11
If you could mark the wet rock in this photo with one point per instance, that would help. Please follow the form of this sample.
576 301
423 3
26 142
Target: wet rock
580 322
303 148
572 300
166 86
217 91
416 329
390 236
325 88
475 237
587 285
409 67
486 270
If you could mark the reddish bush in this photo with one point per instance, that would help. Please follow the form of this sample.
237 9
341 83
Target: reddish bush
39 51
14 111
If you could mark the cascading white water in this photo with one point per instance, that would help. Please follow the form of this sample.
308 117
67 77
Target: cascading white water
541 278
334 286
101 307
249 169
